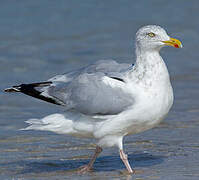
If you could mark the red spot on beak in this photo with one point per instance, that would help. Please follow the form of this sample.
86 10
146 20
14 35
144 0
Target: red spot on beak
176 46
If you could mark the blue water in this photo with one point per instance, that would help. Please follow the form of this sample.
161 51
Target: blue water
39 39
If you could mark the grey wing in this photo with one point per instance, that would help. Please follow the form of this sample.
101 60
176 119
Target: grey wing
108 67
86 91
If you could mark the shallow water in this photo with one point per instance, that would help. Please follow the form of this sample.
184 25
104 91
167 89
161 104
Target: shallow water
39 39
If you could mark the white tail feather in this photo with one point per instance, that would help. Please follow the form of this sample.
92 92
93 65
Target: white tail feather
62 124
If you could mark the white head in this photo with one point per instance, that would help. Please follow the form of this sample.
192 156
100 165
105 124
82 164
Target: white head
154 37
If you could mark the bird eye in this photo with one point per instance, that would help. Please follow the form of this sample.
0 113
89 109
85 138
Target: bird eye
151 34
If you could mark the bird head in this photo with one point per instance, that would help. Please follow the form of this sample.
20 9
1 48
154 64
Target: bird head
154 37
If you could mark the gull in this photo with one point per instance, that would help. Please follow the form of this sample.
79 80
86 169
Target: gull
107 100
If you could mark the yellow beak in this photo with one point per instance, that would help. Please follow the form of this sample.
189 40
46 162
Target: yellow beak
173 42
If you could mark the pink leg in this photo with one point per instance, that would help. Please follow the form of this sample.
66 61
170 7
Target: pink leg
89 166
124 158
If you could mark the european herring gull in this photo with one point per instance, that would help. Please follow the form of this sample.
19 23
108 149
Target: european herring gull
107 100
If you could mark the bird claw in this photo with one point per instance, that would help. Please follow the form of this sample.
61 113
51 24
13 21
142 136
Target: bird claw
84 169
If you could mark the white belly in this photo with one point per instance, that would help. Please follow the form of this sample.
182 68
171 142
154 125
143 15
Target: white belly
150 110
151 105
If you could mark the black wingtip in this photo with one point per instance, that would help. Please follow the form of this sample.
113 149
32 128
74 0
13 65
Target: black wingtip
30 89
20 88
12 89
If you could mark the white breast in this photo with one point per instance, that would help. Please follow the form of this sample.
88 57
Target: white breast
152 105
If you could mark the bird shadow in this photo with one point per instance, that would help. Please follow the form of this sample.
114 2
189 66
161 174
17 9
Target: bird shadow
110 163
105 163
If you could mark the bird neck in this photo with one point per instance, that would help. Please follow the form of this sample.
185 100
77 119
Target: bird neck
148 57
150 65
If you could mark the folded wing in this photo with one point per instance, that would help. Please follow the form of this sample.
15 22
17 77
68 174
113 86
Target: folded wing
95 89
